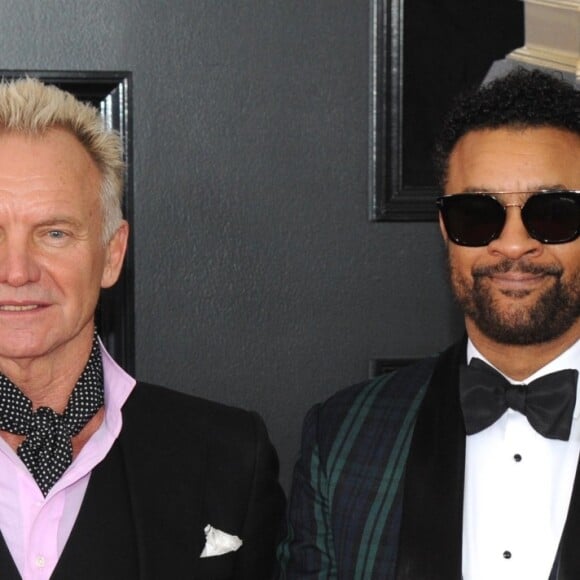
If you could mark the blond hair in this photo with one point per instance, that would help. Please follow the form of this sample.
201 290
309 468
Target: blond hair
31 107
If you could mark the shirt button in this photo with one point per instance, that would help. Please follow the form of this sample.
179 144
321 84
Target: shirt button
517 457
507 554
40 561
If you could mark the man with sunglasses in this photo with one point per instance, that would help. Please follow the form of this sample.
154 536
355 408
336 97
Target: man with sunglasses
464 465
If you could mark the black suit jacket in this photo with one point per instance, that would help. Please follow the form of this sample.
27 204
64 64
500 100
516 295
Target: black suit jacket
179 463
378 488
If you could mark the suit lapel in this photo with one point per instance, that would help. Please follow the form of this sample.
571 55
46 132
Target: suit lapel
568 562
102 541
8 570
430 543
165 475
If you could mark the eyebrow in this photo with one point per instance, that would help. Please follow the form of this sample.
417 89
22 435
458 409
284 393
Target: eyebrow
60 220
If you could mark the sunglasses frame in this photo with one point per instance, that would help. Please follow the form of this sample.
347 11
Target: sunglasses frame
563 193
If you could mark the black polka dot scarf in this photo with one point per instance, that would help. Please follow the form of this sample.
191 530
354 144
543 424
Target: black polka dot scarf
47 449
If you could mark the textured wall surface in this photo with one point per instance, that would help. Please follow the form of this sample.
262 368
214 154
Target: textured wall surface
259 280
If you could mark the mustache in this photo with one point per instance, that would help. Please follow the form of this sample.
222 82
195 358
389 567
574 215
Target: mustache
521 267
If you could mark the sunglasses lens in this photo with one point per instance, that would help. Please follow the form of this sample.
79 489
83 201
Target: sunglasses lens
472 219
553 218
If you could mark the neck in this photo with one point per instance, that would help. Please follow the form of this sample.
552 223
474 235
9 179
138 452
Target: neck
520 361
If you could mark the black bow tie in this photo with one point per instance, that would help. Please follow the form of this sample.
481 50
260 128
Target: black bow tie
548 402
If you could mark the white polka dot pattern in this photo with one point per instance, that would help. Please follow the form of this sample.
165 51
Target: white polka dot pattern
47 449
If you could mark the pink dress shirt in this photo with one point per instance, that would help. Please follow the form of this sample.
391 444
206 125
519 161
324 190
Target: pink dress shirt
35 528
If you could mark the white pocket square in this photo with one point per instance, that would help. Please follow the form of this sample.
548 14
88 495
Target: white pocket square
218 543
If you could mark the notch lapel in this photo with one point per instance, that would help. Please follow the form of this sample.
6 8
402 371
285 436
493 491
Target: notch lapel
166 465
430 545
568 559
8 570
102 541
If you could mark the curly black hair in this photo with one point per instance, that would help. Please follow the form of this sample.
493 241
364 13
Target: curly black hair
523 98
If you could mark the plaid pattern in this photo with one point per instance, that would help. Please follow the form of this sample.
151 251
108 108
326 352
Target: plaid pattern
345 506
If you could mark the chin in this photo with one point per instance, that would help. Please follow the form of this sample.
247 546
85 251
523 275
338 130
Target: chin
22 352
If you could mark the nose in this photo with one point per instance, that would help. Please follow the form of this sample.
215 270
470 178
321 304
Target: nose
514 241
18 266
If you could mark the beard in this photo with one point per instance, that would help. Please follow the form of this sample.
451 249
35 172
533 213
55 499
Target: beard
520 323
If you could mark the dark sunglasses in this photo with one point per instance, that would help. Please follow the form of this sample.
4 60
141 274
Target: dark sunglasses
476 219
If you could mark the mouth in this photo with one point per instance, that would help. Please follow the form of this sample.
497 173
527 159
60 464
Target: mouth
19 307
517 279
511 270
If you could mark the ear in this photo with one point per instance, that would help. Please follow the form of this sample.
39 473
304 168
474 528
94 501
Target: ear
115 253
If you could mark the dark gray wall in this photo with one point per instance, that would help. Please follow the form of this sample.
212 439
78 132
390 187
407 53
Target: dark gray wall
259 280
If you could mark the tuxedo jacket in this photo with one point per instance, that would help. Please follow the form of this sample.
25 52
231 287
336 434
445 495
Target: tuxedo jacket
378 488
179 464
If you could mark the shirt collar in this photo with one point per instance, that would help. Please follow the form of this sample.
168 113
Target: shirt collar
118 386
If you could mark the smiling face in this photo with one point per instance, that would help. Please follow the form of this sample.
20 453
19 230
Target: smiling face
53 260
516 290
